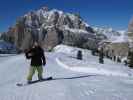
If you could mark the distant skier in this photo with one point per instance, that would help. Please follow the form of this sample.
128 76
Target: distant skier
36 54
101 55
79 55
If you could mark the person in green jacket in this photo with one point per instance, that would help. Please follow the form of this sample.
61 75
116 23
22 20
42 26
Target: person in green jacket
36 54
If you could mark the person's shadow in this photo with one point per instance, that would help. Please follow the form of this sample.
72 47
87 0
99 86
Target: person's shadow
61 78
74 77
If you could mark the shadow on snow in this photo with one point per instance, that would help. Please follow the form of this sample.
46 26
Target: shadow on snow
61 78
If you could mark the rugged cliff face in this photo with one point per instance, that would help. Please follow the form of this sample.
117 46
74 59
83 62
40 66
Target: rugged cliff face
50 28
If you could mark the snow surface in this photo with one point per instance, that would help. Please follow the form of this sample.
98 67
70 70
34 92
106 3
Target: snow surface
89 64
68 84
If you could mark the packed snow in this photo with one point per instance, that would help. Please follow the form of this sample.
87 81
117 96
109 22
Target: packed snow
73 79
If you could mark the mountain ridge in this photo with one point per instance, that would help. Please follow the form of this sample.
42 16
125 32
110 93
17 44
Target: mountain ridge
50 28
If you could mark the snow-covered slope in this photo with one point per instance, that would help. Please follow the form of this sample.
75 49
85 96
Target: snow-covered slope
123 38
90 64
109 32
68 84
112 35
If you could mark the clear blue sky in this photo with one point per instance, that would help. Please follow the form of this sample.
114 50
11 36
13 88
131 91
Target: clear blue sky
110 13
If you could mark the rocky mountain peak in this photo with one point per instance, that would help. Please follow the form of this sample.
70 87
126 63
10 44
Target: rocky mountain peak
51 27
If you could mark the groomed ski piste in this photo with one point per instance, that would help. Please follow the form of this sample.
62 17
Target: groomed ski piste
73 79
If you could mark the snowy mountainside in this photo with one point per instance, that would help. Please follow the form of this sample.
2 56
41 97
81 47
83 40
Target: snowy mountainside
112 35
106 31
52 27
123 38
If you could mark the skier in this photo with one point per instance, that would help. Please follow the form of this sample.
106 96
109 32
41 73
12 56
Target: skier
36 54
101 55
79 55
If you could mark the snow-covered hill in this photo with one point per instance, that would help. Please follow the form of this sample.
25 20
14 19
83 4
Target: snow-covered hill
90 64
109 32
112 35
71 83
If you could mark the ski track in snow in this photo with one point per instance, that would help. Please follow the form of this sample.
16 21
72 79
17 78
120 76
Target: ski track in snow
93 71
69 85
